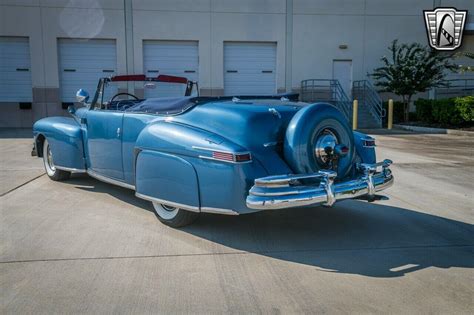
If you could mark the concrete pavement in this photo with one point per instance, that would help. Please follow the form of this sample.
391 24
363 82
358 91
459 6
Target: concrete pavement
82 246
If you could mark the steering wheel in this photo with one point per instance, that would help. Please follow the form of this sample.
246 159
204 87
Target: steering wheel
118 94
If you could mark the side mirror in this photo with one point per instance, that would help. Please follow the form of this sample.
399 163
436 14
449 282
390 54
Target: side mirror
82 96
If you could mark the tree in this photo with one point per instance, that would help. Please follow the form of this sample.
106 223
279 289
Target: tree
412 68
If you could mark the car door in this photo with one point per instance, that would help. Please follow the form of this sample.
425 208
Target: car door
104 142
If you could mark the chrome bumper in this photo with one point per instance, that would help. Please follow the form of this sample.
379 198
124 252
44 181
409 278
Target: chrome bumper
287 191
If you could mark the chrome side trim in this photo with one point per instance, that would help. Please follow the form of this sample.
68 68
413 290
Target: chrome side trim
217 150
270 144
167 202
109 180
71 169
231 162
219 211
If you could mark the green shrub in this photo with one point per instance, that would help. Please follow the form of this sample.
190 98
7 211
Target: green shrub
450 111
424 110
465 107
444 112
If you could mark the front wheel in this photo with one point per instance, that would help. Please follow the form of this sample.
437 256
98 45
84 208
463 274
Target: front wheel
174 217
53 172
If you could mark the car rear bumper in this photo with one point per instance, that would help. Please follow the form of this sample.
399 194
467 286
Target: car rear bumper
287 191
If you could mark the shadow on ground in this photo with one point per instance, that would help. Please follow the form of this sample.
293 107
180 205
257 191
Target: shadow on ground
353 237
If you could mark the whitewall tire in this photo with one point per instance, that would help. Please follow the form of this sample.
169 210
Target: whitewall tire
174 217
51 170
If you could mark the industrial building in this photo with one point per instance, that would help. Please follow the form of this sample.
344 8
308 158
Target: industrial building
51 48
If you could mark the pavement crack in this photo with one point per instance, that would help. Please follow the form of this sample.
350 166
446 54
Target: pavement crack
261 252
19 186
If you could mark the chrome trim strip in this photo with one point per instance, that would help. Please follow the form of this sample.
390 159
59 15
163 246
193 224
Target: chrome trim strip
167 202
270 144
225 161
71 169
220 151
219 211
109 180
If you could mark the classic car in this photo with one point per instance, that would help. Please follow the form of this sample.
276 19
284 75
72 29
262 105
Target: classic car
229 155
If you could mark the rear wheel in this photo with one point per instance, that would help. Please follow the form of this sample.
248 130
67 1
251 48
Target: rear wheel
173 216
53 172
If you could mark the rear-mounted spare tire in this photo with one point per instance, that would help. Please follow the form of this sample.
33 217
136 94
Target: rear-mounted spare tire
312 133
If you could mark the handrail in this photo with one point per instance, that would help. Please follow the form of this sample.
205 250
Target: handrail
331 91
366 94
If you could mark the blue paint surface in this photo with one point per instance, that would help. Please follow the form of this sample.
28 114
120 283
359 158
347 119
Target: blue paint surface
162 156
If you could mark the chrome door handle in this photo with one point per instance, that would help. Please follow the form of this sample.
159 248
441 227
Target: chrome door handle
118 132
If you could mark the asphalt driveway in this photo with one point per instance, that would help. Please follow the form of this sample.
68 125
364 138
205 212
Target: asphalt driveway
82 246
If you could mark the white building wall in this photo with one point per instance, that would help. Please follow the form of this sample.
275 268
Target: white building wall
319 27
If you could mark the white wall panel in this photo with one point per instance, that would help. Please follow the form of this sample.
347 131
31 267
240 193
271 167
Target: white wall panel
15 70
249 68
82 63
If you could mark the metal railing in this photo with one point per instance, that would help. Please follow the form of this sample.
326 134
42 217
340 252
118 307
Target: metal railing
456 87
324 90
365 93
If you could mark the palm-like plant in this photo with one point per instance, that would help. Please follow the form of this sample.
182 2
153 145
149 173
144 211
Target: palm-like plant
410 69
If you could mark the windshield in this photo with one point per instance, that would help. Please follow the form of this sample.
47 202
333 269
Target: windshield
112 94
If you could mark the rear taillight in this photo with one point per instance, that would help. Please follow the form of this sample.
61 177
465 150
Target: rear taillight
224 156
243 157
368 142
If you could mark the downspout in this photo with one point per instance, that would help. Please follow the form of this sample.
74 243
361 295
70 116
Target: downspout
129 56
289 46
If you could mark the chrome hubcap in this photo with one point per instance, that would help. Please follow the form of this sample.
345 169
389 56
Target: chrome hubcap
50 159
324 148
168 208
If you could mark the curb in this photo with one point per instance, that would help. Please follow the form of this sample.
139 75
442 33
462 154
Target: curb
435 130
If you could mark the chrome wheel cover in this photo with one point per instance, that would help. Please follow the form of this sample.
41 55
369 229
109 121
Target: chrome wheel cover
325 139
48 159
165 211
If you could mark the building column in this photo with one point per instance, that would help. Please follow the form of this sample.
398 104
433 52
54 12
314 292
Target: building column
289 46
129 56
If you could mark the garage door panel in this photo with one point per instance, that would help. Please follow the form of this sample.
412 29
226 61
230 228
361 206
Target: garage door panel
82 63
249 68
179 58
15 70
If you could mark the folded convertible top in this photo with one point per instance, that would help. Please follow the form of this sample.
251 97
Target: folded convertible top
163 105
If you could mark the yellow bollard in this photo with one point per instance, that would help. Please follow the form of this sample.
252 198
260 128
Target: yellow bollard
355 111
390 114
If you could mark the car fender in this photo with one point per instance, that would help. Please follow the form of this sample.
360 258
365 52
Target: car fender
174 163
65 138
168 179
366 154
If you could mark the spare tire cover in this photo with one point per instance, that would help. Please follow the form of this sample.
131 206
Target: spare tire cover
304 130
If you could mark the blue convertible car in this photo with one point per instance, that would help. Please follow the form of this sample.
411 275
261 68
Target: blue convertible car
228 155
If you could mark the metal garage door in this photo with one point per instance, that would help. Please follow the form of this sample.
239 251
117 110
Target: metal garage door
178 58
82 63
15 71
249 68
